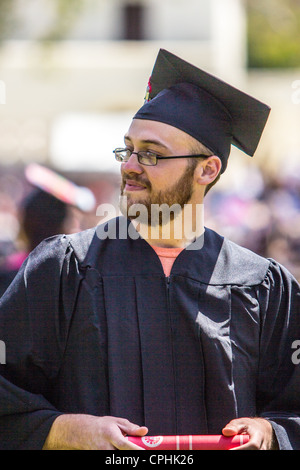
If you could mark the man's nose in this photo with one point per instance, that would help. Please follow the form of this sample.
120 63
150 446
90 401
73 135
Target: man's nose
132 165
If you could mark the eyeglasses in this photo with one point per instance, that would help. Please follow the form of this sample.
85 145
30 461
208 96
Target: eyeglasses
146 158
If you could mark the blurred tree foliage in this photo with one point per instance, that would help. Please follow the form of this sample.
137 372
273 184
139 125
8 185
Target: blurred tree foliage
273 33
6 14
66 12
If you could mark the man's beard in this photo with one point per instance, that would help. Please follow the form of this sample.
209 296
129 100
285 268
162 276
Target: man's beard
152 213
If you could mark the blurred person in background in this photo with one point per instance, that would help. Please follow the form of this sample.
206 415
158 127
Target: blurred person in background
261 211
43 213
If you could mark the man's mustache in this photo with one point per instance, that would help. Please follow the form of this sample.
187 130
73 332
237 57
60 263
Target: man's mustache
136 178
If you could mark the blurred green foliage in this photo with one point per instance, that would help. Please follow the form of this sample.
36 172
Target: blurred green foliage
6 17
66 12
273 33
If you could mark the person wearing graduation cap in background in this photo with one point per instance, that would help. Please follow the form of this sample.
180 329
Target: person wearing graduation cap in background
43 215
46 211
118 340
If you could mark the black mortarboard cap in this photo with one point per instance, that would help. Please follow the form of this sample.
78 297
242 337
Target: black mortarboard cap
205 107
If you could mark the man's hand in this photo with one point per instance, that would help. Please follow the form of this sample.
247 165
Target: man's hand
260 431
86 432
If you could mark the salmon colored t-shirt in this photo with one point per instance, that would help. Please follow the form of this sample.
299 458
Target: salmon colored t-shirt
167 257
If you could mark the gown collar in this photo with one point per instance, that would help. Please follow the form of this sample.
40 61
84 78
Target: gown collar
217 262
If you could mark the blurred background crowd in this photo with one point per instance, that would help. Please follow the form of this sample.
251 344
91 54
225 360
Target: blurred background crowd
73 72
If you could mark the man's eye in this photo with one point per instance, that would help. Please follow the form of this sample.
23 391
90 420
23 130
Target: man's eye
149 153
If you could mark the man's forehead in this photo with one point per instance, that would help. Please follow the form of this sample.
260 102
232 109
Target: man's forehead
158 133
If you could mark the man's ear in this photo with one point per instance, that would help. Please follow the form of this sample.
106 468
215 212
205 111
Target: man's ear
208 169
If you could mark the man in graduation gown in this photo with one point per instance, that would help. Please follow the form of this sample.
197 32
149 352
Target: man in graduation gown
111 332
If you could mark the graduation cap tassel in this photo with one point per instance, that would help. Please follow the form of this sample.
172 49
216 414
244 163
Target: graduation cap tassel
148 91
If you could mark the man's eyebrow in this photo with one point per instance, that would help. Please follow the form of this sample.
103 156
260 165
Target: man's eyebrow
148 141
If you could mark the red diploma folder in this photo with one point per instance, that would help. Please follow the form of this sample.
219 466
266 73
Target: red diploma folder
213 442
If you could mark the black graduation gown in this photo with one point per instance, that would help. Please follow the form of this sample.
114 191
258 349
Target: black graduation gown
6 277
94 326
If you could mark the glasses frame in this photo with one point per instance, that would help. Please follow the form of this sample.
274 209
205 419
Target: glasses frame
157 157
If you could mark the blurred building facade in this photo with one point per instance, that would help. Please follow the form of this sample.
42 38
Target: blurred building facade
69 102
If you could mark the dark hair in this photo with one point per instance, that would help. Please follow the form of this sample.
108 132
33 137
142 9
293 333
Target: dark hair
43 216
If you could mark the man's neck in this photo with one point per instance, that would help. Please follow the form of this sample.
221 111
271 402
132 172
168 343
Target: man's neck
177 233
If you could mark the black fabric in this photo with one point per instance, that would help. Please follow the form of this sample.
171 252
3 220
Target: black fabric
94 326
6 277
205 107
194 111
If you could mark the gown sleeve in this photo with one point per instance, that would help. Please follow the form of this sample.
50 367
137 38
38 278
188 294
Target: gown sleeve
278 382
34 330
